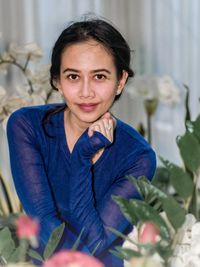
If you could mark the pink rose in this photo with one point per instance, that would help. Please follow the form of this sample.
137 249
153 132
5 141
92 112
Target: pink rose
149 233
26 227
69 258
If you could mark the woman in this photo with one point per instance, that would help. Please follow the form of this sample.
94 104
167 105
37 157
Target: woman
68 160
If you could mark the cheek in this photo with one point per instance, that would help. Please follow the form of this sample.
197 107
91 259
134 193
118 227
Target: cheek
107 92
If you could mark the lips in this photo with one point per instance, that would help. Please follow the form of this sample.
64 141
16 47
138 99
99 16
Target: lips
88 107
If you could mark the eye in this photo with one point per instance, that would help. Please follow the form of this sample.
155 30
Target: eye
100 77
73 77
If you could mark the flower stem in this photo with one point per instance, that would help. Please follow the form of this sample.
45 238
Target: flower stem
149 128
23 69
23 250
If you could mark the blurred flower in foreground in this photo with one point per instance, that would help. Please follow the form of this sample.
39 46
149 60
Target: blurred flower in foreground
67 258
144 262
168 92
27 228
187 251
149 233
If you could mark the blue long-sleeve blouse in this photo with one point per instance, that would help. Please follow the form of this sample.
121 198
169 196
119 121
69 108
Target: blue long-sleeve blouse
57 186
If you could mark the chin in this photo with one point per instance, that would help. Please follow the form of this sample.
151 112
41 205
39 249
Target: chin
89 118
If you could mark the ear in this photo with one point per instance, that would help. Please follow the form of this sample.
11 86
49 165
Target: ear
57 84
122 82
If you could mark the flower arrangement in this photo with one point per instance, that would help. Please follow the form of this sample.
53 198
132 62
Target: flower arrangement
166 218
18 243
34 88
154 90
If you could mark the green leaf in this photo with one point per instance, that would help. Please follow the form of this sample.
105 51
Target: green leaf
176 219
15 257
126 209
95 249
8 249
138 211
53 241
133 180
118 233
196 127
161 178
175 214
35 255
190 151
181 181
127 253
5 234
7 244
145 212
140 186
77 242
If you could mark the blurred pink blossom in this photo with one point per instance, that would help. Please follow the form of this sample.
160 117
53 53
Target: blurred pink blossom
26 227
68 258
149 233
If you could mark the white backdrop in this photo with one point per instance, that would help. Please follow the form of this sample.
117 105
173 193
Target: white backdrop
163 33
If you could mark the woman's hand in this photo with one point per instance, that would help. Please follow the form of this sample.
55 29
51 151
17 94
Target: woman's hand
105 125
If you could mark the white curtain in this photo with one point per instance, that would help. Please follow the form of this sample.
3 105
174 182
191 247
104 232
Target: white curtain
163 33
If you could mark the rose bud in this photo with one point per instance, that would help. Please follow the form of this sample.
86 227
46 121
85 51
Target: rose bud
149 233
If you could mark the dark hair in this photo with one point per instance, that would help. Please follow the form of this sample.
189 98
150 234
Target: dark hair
95 29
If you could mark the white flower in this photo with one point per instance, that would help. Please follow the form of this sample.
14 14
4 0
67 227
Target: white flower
15 102
162 88
31 49
2 92
187 251
3 96
168 91
144 262
144 87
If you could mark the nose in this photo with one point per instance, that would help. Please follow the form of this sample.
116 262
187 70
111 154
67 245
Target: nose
86 89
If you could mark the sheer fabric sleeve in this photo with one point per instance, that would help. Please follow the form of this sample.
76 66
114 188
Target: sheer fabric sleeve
84 212
31 180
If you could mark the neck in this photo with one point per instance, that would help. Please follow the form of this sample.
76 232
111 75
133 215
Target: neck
74 125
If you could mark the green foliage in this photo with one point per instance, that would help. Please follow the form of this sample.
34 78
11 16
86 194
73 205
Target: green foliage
190 151
53 241
173 191
13 250
125 253
137 211
9 250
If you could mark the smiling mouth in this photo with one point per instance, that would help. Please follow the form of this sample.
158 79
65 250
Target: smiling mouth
88 107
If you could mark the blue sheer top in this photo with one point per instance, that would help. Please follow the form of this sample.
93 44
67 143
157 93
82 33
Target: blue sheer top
57 186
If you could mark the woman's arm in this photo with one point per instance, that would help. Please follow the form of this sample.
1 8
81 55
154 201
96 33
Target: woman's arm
31 180
84 212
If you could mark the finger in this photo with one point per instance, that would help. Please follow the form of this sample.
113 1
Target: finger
92 128
90 131
108 126
111 129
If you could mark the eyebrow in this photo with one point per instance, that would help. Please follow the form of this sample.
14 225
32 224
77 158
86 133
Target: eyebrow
94 71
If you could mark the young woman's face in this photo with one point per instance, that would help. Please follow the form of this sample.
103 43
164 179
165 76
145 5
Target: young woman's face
88 81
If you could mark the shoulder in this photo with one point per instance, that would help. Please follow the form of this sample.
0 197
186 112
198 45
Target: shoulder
28 119
129 136
30 114
134 152
32 111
